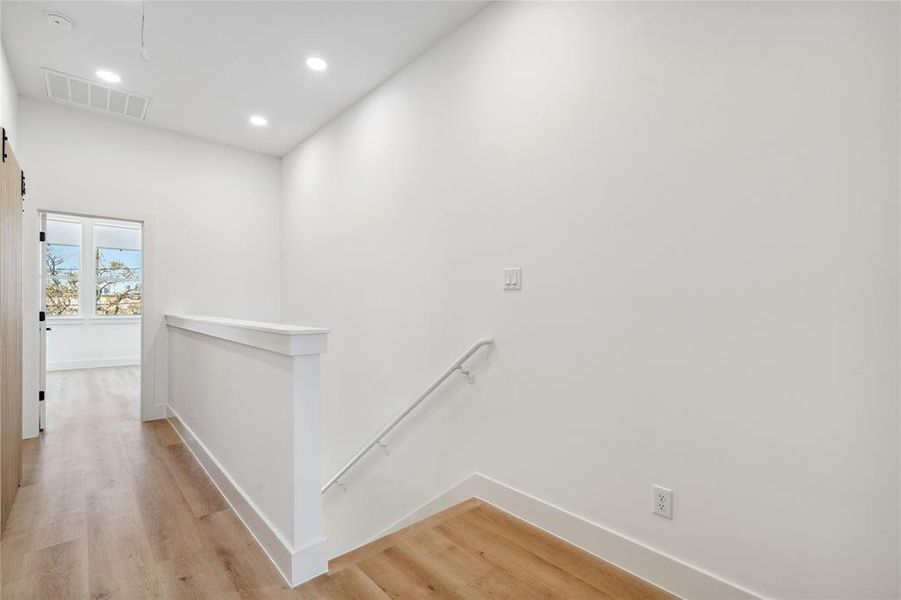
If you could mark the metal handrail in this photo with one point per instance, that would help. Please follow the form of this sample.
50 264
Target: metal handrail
377 440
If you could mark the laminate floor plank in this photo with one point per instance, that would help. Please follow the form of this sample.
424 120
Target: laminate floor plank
520 563
197 488
583 565
350 583
355 556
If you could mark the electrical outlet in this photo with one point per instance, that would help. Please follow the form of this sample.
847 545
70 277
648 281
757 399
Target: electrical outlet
663 501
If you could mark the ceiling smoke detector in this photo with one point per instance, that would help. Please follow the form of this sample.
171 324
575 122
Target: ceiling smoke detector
58 21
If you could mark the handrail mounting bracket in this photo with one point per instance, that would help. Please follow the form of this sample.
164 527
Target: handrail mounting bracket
467 374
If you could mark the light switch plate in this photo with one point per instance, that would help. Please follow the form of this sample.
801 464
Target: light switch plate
513 279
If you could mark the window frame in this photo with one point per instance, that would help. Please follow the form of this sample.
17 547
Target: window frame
95 279
115 280
87 272
80 312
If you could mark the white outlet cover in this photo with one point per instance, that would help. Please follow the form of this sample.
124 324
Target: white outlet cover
662 501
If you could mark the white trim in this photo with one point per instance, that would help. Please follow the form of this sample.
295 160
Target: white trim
114 319
296 565
93 363
658 568
72 320
156 412
291 340
108 320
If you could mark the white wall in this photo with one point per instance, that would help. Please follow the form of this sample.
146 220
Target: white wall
209 215
90 343
704 201
9 96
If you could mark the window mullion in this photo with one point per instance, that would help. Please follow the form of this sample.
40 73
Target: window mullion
89 289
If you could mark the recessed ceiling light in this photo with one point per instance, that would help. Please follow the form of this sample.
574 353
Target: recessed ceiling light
258 120
317 63
108 76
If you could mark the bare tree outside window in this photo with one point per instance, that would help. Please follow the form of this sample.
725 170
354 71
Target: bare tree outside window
62 263
119 283
116 276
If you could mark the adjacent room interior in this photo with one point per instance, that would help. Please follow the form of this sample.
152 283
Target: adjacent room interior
385 299
92 290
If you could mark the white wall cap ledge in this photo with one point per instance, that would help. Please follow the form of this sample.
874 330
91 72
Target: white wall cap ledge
290 340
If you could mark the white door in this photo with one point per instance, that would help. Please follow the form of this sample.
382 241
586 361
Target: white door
42 324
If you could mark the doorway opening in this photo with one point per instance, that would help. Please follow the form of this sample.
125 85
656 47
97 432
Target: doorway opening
92 304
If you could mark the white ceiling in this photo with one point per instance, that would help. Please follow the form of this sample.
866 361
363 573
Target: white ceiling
212 64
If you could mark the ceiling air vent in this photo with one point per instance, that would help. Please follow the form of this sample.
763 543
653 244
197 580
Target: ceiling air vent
89 94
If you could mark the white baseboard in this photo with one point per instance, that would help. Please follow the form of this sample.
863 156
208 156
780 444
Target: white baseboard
93 363
667 572
296 565
299 565
154 412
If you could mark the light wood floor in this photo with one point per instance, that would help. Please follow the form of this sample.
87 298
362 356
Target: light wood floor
113 508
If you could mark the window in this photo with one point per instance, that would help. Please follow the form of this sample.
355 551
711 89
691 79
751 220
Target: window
63 268
117 260
113 269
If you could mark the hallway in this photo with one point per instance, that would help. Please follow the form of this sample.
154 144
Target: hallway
114 508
